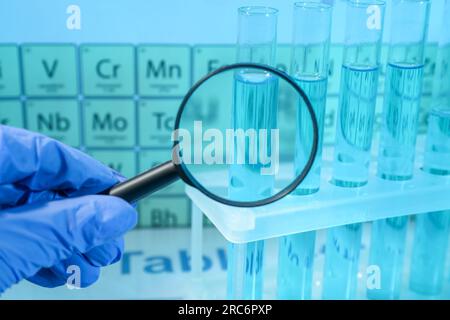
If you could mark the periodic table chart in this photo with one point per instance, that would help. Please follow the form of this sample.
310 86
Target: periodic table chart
111 85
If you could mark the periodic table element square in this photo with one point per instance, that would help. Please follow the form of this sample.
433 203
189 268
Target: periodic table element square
121 161
108 70
156 122
208 58
109 123
151 158
164 71
58 119
11 113
213 104
50 70
9 71
164 212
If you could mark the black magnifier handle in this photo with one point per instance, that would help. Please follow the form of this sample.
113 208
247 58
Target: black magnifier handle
146 183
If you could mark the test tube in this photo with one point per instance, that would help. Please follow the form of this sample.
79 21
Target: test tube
309 67
437 151
387 251
403 89
256 43
359 84
430 245
342 251
430 248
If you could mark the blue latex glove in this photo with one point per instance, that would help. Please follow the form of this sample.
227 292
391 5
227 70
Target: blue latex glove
49 217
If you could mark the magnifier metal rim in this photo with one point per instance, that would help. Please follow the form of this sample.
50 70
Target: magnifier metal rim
187 176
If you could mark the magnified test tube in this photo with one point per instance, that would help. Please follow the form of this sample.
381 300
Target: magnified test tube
253 103
309 67
430 246
359 83
409 25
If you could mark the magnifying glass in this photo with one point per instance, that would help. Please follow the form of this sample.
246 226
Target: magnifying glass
245 135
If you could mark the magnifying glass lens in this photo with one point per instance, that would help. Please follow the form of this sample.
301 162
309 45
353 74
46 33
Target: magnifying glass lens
245 135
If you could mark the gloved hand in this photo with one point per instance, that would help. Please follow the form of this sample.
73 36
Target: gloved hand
50 217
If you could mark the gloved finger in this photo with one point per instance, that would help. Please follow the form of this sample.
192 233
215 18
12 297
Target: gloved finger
46 277
88 263
15 195
105 254
12 195
41 234
74 271
97 257
39 163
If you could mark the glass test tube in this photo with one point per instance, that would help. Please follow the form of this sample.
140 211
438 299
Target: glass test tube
309 67
437 151
403 88
430 245
387 251
430 249
359 84
358 93
342 251
254 107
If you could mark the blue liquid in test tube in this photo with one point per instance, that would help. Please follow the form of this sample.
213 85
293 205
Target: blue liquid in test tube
400 121
355 125
341 262
355 119
403 89
402 96
315 88
309 67
254 106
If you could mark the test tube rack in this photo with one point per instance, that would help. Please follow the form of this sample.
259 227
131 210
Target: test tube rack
332 206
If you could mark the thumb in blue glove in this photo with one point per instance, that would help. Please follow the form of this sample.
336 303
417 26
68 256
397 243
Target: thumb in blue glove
48 220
